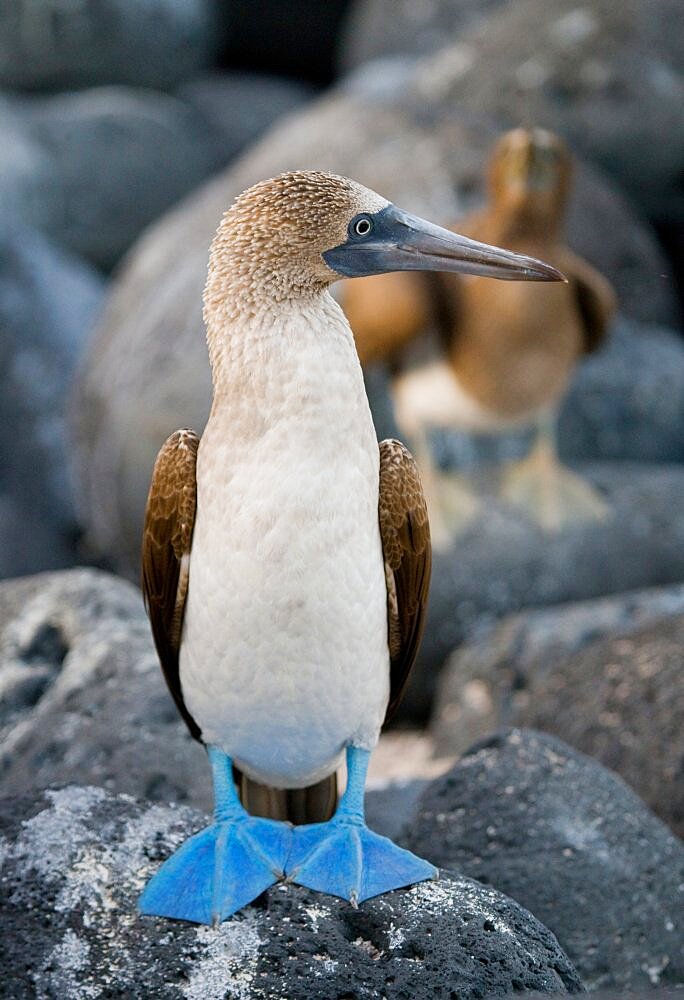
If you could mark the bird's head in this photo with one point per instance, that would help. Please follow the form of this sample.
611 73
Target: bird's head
299 232
530 170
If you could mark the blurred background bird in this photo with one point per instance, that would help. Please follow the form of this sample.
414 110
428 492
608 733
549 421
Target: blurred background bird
493 360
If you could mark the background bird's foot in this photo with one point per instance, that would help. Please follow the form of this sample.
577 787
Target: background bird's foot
344 858
452 506
551 494
219 870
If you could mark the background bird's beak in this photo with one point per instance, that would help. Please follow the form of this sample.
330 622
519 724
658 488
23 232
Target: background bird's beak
402 242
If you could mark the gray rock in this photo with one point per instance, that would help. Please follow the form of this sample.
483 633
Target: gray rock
567 839
488 682
383 28
503 563
65 46
627 401
83 698
240 106
608 76
48 303
101 164
147 373
76 859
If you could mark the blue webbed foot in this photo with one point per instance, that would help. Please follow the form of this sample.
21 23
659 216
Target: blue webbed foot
224 867
344 858
219 870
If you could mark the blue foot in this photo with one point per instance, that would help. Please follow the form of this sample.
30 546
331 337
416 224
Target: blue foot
224 867
344 858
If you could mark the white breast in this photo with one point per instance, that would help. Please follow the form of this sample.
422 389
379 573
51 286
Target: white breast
284 658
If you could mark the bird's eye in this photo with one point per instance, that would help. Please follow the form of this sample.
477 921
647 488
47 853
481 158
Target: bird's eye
361 226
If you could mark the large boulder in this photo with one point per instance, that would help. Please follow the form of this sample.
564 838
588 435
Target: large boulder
569 840
101 164
76 859
66 46
147 373
608 76
48 304
605 675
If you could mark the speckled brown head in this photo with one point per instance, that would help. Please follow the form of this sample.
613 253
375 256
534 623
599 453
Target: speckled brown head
530 170
293 235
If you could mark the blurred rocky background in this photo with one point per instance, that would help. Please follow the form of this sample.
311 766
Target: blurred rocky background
127 130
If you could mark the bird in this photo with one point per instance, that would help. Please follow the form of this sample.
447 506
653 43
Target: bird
286 554
500 358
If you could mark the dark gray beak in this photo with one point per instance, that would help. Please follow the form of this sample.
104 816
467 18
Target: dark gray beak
393 240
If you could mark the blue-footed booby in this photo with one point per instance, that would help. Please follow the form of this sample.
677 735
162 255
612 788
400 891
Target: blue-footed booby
506 353
286 555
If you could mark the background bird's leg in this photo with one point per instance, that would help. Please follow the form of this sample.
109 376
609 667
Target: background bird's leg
546 490
343 857
451 502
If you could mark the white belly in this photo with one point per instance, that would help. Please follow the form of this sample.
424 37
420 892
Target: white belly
284 659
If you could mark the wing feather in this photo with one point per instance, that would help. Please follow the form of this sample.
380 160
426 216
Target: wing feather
405 534
166 544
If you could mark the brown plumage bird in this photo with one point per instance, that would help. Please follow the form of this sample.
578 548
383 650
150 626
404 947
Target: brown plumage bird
502 355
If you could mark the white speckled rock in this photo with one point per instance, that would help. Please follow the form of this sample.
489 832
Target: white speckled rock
75 860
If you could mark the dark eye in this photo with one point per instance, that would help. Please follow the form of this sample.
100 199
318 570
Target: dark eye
361 225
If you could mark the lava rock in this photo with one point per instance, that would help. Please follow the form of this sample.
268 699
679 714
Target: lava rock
148 374
63 47
83 698
609 77
384 28
103 163
48 304
76 859
240 106
486 681
567 839
503 562
627 400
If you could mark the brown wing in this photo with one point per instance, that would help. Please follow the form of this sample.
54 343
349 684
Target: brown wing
594 296
405 533
167 538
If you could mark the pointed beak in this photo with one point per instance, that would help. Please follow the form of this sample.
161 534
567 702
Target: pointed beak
402 242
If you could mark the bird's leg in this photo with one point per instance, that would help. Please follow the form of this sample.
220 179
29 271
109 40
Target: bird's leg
343 857
223 867
546 490
451 502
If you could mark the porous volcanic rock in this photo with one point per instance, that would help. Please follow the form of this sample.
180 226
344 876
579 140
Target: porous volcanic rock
48 304
66 46
82 696
75 860
570 841
605 675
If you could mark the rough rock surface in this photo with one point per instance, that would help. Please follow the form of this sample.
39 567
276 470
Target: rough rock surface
504 563
147 373
76 859
66 46
605 675
486 680
608 76
566 838
102 164
48 303
81 694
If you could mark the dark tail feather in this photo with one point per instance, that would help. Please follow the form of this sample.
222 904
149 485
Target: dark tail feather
314 804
